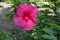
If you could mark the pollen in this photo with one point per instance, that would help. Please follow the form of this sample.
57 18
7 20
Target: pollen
26 17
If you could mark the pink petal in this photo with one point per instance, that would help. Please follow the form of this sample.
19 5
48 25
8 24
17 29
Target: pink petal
19 12
26 8
29 25
33 18
34 12
18 21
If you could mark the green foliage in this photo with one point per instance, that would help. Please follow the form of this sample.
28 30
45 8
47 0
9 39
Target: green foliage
9 15
48 21
53 25
5 36
50 37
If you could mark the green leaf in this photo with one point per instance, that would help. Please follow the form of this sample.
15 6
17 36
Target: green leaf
8 38
5 36
10 15
50 37
39 3
53 25
49 31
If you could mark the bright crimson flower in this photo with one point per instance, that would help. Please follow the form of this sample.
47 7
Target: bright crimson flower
25 16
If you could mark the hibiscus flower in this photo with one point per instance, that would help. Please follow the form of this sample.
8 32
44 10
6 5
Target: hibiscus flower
25 16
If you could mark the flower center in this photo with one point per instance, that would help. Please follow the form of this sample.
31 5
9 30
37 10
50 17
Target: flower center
26 17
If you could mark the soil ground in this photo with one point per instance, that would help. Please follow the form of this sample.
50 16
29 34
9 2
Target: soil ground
5 24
